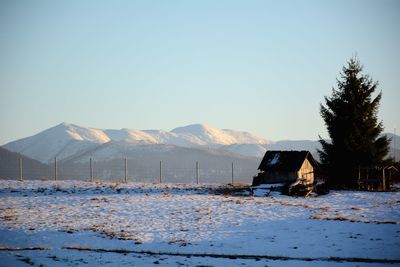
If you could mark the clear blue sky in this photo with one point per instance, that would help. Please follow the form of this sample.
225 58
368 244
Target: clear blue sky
258 66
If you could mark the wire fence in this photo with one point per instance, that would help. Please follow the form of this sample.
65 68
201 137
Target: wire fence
129 170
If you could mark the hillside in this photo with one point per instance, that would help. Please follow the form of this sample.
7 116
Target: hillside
32 169
178 163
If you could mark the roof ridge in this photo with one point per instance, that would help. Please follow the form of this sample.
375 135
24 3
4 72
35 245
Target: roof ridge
288 160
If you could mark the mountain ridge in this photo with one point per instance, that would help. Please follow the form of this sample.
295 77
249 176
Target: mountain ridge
67 141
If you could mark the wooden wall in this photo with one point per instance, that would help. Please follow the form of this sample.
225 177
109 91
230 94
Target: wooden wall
306 171
277 177
270 177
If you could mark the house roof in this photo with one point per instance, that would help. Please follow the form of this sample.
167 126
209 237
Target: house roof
285 160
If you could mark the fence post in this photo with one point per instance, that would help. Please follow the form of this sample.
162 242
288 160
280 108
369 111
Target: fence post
160 171
91 170
232 173
197 172
394 146
126 170
383 178
20 170
55 168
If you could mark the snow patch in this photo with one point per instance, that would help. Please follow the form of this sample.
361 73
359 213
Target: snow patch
275 160
189 218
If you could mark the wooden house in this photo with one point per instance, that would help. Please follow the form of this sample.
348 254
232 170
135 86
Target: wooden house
286 167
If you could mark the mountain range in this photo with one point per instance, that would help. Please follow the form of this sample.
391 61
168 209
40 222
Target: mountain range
179 149
66 141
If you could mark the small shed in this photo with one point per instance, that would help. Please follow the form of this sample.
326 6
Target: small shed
376 178
286 167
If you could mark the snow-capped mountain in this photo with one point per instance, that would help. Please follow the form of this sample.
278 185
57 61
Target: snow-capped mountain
201 134
61 141
68 140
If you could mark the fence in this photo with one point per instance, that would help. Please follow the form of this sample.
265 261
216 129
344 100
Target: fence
130 170
375 178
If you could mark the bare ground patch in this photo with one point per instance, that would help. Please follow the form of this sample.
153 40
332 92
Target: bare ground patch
234 256
343 218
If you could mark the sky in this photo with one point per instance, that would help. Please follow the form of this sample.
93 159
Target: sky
257 66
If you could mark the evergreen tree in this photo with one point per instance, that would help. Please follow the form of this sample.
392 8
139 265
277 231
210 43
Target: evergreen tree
350 116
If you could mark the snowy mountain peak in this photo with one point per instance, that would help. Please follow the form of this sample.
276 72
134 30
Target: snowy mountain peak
79 133
130 136
193 128
205 134
62 141
202 134
67 140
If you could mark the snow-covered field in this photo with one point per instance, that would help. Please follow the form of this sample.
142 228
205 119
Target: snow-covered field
72 223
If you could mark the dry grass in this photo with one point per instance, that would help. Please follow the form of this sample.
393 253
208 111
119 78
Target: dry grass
343 218
237 184
234 189
180 242
385 222
326 218
294 204
239 201
121 235
325 208
115 185
236 256
23 248
9 217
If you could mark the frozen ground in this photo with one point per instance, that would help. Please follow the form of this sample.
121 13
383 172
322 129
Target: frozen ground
71 223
